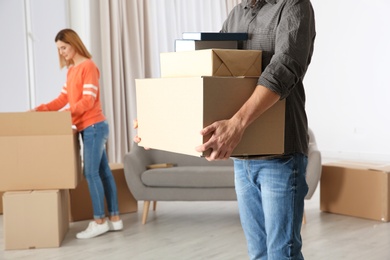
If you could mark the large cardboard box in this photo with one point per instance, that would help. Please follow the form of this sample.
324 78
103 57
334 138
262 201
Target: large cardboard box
172 111
211 62
80 199
356 189
38 150
35 219
1 202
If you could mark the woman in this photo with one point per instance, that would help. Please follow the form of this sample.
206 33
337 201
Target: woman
81 92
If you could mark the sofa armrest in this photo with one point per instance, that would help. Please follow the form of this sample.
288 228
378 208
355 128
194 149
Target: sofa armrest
135 163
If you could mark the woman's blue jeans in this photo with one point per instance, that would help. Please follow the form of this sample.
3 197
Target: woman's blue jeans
270 196
97 171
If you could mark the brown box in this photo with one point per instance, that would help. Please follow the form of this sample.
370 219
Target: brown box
1 202
80 199
211 62
172 111
38 150
356 189
35 219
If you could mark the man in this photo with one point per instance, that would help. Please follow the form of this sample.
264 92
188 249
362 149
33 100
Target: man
271 189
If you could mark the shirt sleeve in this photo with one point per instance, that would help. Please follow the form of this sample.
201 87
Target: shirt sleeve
57 103
90 91
293 49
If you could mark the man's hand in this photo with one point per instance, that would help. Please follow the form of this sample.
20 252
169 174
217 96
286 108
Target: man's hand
136 138
225 136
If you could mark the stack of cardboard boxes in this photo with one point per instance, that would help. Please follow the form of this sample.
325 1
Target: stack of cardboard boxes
197 88
40 162
41 180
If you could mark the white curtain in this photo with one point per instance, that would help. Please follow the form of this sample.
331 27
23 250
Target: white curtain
133 34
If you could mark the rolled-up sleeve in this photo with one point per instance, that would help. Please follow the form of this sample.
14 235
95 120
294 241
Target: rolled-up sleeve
293 49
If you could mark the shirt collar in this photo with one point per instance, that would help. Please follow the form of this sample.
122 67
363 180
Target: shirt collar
247 2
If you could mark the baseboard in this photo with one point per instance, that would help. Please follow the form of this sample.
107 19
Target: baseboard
330 156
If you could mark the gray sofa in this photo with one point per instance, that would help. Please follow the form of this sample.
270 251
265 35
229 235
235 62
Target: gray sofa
194 178
191 179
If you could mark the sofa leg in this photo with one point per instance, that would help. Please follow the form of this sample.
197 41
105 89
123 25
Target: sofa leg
146 211
154 205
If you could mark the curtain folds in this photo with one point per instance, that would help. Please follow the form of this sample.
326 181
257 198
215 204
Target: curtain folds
133 34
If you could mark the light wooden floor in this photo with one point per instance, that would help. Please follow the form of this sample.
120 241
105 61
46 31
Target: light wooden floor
211 230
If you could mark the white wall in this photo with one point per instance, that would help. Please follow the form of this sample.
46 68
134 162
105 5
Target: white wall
14 92
347 84
34 24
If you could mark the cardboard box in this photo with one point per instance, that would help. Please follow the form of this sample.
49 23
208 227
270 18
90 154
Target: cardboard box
35 219
1 202
211 62
172 111
38 150
192 45
80 199
356 189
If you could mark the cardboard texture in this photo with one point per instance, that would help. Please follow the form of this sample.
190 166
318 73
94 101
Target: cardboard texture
38 150
192 45
1 202
356 189
211 62
172 111
80 199
35 219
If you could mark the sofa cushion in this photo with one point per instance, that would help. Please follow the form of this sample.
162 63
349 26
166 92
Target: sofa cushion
190 177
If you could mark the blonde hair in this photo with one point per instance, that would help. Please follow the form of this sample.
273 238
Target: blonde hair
71 37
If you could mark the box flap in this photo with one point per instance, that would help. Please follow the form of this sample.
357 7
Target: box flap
249 62
35 123
374 166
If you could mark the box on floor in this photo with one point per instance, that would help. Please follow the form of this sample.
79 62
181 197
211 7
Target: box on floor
38 151
172 111
35 219
80 199
211 62
356 189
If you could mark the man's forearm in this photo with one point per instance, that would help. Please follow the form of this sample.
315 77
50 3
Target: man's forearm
259 102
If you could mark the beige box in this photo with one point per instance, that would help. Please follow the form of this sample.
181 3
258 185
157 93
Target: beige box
171 112
81 203
35 219
38 150
211 62
356 189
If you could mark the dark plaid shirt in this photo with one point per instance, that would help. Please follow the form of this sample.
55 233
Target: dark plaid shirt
284 30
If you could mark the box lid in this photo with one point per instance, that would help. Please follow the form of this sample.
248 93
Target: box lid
35 123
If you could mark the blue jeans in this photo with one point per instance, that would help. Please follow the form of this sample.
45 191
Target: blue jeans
97 171
270 196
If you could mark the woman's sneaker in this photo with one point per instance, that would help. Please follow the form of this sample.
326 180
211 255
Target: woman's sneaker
115 225
93 230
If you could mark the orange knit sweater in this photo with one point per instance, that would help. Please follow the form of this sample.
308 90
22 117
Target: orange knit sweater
81 91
